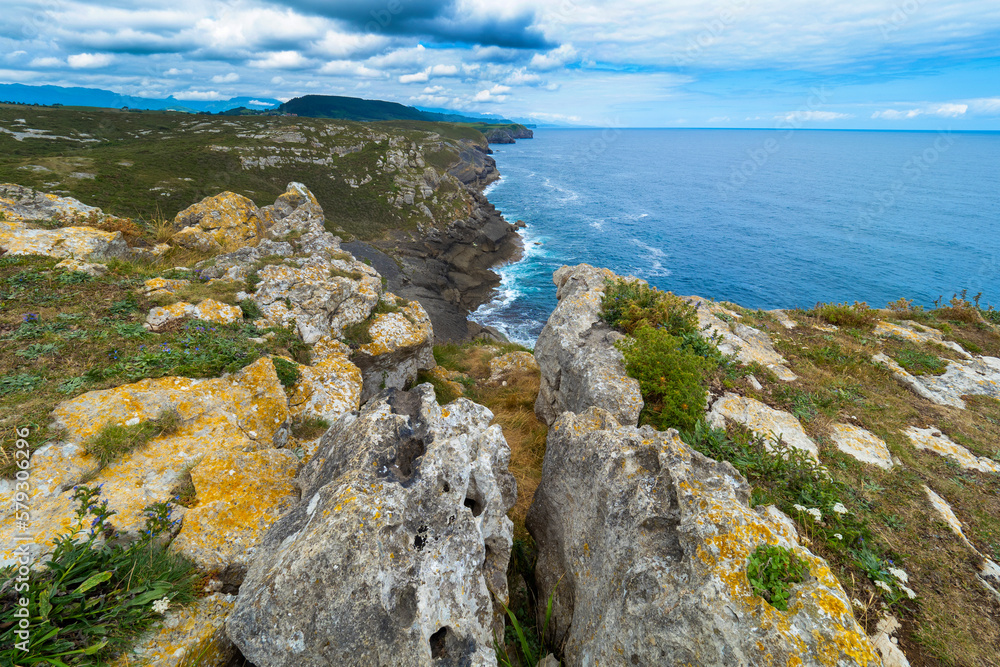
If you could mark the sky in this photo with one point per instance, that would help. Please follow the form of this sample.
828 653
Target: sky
874 64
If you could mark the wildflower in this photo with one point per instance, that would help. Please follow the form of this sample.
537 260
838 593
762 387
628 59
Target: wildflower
839 508
899 574
909 592
884 586
799 508
838 536
162 605
857 603
816 514
30 317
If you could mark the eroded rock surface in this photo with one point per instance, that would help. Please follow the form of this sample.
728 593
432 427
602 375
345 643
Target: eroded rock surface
226 221
762 420
208 310
505 366
645 543
976 376
915 333
393 552
934 440
402 344
193 635
747 343
862 445
576 353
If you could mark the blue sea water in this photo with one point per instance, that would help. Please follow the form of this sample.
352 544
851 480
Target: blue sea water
766 219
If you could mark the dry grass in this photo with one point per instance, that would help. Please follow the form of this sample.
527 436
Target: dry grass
513 408
954 621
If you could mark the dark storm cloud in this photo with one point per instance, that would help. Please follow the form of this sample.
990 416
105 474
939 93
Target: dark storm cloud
438 21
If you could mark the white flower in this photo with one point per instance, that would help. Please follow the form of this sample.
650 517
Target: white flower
816 514
899 574
884 586
909 592
838 536
161 606
799 508
857 603
839 508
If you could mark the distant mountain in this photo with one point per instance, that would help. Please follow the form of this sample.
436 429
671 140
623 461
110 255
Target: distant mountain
479 117
355 108
95 97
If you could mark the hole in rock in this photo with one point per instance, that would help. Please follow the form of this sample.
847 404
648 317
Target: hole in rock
446 488
407 452
439 643
420 539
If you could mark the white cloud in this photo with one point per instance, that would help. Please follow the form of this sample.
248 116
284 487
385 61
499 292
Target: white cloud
281 60
201 95
340 45
46 62
987 106
427 74
944 110
259 103
232 77
433 90
553 59
90 60
816 116
350 68
173 71
495 94
522 77
419 77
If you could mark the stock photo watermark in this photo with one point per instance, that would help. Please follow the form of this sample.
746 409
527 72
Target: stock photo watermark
21 504
901 15
711 32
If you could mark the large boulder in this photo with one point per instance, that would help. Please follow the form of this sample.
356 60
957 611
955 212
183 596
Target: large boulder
397 549
645 544
227 221
402 343
245 412
576 353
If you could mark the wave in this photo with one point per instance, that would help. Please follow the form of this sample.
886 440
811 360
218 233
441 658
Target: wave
653 261
570 195
491 187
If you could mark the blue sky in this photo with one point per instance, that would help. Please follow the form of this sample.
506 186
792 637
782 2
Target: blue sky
883 64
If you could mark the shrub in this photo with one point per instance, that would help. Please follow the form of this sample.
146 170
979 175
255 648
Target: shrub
94 596
841 314
251 311
630 305
670 378
959 309
288 372
772 570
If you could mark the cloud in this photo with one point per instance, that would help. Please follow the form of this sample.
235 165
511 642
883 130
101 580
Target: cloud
232 77
339 45
281 60
946 110
350 68
259 103
424 76
815 116
987 106
89 60
201 95
173 71
553 59
46 62
443 21
522 77
495 94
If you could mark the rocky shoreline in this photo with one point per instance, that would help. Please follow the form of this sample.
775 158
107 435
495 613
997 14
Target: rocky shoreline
451 271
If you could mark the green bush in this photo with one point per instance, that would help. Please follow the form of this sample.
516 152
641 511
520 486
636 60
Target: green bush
93 597
288 372
630 305
670 378
772 570
841 314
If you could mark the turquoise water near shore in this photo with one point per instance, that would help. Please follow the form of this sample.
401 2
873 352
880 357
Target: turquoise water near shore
766 219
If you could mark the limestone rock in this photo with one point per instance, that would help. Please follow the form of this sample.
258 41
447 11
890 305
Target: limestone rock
194 635
83 243
22 204
449 379
321 295
576 353
239 496
208 310
915 333
891 654
329 388
989 574
163 287
76 266
747 343
507 365
243 412
402 344
238 264
226 221
645 543
784 319
862 445
763 420
392 554
934 440
976 376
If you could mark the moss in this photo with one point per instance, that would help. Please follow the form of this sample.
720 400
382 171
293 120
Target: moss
115 440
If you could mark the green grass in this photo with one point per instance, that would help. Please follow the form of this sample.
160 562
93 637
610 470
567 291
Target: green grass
115 440
918 362
772 570
94 597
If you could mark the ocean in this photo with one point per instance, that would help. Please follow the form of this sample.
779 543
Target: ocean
766 219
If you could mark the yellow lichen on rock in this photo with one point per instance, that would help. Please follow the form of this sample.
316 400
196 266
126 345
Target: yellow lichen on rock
189 636
506 365
83 243
227 221
245 412
327 389
239 496
396 331
209 310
